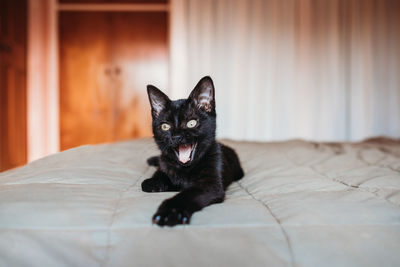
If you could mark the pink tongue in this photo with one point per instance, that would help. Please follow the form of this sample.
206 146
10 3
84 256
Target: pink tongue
184 153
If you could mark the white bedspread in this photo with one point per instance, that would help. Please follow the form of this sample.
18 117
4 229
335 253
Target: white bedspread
300 204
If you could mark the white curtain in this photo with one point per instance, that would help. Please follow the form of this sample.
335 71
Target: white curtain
313 69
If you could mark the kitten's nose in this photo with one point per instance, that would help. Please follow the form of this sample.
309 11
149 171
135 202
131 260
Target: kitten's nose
177 138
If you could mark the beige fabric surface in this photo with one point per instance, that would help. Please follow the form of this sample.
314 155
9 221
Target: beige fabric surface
299 204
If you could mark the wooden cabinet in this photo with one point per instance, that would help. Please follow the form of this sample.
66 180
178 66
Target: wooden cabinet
113 1
106 59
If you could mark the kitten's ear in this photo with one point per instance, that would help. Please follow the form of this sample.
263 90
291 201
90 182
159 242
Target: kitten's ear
158 100
203 94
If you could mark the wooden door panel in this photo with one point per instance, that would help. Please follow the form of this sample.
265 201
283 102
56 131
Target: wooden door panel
140 55
106 60
13 148
114 1
83 55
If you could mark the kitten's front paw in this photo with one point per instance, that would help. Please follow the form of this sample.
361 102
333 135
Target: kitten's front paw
154 185
170 213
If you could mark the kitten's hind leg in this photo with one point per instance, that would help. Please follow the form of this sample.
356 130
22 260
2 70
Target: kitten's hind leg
153 161
158 183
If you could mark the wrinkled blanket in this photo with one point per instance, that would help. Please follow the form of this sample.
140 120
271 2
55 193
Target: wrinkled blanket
299 204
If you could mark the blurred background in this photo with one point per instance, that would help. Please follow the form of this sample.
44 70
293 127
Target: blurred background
74 72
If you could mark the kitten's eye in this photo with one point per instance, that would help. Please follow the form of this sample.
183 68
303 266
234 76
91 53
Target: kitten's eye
191 123
165 126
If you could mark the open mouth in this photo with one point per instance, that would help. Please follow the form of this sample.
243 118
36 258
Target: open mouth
185 152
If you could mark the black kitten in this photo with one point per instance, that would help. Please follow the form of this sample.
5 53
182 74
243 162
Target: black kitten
191 160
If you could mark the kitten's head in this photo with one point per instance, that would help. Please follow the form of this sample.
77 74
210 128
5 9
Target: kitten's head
184 129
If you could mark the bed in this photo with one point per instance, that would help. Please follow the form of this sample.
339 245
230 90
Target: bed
299 204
